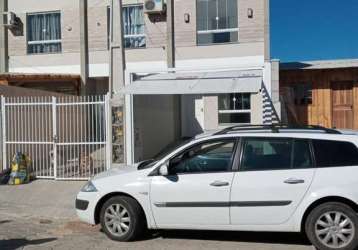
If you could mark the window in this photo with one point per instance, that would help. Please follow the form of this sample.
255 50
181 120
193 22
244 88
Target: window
217 21
234 108
133 26
44 33
302 93
335 153
301 154
213 156
275 153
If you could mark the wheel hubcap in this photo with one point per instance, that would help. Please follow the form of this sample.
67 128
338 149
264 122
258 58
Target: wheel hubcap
334 229
117 219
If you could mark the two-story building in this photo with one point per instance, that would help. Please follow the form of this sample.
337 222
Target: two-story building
223 72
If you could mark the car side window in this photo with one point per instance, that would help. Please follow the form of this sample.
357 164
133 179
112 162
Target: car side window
212 156
275 153
302 157
335 153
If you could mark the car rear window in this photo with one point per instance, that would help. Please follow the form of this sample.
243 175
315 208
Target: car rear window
335 153
275 154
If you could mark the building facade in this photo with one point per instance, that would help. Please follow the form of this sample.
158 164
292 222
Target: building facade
320 93
214 40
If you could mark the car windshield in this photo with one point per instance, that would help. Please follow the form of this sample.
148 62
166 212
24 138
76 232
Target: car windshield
165 151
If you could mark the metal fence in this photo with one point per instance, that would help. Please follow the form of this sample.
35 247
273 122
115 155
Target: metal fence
66 138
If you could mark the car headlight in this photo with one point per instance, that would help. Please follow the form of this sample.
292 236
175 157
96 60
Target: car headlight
89 187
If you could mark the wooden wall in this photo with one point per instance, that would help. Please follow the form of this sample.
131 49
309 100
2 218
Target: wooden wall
320 111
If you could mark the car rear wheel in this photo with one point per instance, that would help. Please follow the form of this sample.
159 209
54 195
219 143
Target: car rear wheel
333 225
122 218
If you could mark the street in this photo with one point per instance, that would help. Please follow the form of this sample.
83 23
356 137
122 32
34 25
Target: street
41 215
31 233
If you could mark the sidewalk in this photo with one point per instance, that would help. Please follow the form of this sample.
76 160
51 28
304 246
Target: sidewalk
41 215
40 198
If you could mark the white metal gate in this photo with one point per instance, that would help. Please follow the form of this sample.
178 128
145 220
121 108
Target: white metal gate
66 138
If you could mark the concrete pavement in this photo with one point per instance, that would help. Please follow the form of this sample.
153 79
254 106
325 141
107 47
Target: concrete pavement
41 198
41 215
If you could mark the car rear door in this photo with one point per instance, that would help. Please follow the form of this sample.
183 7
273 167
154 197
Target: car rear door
274 175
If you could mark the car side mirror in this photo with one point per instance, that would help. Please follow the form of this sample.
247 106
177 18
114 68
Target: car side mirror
164 169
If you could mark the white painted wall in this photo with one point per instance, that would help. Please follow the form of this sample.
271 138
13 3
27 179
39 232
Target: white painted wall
256 108
192 115
211 110
69 64
200 113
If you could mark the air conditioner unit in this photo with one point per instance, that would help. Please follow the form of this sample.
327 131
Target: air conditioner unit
11 20
154 6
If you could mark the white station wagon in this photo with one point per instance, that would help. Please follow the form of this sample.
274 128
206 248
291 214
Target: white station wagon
252 178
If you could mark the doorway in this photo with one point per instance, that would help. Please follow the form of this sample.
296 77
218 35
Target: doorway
342 105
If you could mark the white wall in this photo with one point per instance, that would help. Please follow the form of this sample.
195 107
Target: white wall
192 115
200 113
256 108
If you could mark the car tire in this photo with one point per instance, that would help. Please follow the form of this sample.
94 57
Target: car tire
122 219
332 226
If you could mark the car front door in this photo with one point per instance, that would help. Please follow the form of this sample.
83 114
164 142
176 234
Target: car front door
274 175
196 191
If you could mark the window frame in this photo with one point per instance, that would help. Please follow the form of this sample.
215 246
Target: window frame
242 147
234 111
144 35
215 31
42 42
233 161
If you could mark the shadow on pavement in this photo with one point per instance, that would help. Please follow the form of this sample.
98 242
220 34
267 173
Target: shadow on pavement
255 237
236 236
13 244
4 221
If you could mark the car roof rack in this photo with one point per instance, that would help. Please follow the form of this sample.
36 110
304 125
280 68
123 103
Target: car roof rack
277 128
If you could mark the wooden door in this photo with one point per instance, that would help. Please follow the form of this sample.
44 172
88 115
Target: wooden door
342 105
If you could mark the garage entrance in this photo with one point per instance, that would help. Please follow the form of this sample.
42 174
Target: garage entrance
165 107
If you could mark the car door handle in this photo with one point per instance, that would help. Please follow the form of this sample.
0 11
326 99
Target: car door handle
294 181
219 184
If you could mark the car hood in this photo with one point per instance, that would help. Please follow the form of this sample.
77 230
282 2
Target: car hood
123 169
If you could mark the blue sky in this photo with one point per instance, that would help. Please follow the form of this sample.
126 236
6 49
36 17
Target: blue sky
314 29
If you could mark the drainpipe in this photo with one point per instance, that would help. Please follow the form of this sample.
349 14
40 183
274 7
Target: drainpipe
4 48
84 46
170 35
267 30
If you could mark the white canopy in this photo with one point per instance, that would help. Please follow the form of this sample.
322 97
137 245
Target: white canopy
248 81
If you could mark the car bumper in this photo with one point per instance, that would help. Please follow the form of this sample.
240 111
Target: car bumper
85 206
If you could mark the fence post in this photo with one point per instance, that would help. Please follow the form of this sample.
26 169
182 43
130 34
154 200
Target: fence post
54 134
108 115
3 125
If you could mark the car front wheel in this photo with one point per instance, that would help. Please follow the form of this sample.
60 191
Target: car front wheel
332 226
122 218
